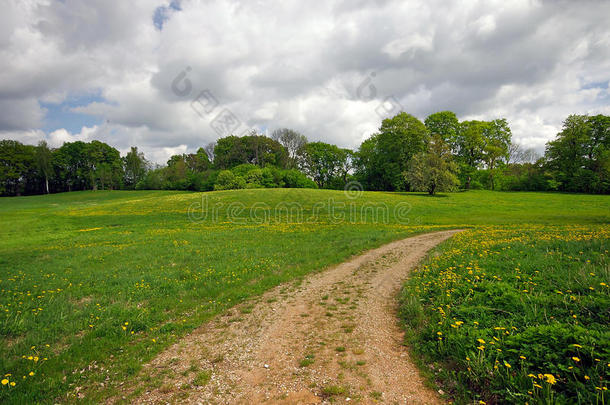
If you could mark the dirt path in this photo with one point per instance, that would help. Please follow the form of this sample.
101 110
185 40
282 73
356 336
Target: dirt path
334 337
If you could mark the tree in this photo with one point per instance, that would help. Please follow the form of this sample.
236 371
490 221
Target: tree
322 162
446 125
366 164
104 165
256 149
383 158
578 157
198 162
433 170
17 168
136 166
497 139
43 162
70 163
566 154
470 143
292 140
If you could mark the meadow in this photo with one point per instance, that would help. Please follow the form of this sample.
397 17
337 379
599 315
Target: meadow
96 283
515 314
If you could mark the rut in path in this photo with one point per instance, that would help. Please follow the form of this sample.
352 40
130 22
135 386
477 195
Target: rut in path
335 336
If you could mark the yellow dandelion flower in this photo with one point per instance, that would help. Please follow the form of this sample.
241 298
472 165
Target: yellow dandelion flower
550 378
31 374
481 341
576 359
4 381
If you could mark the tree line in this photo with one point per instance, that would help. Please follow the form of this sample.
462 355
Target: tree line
406 154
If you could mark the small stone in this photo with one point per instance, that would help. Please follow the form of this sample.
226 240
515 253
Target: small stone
266 365
348 399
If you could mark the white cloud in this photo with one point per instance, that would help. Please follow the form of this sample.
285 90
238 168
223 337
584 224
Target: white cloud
290 64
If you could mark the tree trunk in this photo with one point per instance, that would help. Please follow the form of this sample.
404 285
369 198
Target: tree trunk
46 184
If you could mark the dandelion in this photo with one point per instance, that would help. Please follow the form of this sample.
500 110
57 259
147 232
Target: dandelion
507 365
31 374
550 379
522 357
576 359
481 341
587 377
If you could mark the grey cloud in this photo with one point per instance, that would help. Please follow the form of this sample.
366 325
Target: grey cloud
290 64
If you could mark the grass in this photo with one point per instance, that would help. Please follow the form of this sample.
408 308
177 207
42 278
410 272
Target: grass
101 282
202 378
307 361
516 314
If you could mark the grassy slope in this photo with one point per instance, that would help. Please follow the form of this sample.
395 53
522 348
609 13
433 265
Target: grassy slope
79 272
516 314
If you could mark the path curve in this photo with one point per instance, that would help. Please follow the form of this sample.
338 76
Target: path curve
334 337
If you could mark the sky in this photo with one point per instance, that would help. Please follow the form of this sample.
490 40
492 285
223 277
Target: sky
172 76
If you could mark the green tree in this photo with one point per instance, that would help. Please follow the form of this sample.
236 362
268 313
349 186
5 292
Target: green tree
367 164
383 158
17 168
470 143
322 162
135 167
446 125
578 157
497 139
104 165
199 161
433 170
70 163
43 158
256 149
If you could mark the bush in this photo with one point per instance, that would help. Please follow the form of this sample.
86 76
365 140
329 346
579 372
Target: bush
226 180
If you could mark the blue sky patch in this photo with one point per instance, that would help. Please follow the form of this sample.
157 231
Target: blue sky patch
163 13
60 115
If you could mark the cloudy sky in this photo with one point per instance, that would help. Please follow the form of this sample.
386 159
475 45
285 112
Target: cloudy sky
170 76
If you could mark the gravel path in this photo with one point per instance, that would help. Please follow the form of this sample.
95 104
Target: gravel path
333 337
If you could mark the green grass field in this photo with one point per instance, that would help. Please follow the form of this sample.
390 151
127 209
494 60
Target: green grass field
96 283
516 314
